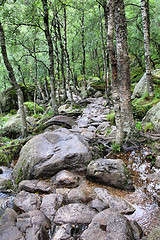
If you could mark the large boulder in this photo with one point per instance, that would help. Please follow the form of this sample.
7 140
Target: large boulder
111 172
153 116
154 235
12 128
109 225
141 87
48 153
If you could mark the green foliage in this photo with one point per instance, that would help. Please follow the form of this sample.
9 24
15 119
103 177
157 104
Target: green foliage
143 104
139 126
3 120
136 74
116 147
13 111
111 118
30 108
149 127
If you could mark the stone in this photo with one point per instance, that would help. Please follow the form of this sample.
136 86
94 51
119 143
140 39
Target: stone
157 163
154 235
25 201
69 111
12 128
111 172
77 195
74 213
65 178
34 186
48 153
50 204
108 225
8 229
153 116
1 171
113 202
98 94
34 225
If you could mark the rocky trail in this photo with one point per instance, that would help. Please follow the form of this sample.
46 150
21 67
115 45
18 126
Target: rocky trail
71 187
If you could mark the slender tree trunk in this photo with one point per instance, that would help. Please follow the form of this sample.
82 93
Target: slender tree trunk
104 52
59 37
123 69
51 56
146 32
83 48
114 75
14 82
67 56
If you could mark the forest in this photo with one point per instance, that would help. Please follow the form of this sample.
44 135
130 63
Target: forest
80 105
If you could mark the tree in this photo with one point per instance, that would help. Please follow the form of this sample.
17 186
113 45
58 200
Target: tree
14 82
146 31
123 69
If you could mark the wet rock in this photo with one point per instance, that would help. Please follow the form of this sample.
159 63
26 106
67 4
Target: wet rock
111 172
154 235
34 186
33 225
108 225
65 178
74 213
50 204
25 202
8 229
113 202
48 153
157 163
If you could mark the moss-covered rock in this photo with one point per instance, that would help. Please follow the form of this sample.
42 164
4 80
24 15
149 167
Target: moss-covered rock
96 83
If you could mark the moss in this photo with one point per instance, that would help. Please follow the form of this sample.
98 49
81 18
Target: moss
111 118
143 104
30 108
149 127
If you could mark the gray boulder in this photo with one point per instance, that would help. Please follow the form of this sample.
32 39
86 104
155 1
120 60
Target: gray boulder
48 153
153 116
50 204
34 186
111 172
25 202
140 88
157 163
74 213
33 225
108 225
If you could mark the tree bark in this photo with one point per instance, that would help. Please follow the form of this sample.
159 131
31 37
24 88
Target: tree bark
123 69
14 82
114 75
146 33
83 47
51 55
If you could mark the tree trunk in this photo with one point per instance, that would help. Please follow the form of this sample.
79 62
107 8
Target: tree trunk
114 75
83 47
14 82
146 32
67 56
51 56
123 69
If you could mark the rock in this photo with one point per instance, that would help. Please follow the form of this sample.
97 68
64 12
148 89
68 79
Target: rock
69 231
48 153
140 88
69 111
74 213
113 202
8 229
77 195
33 225
137 230
98 94
1 171
153 116
61 120
25 201
96 83
5 184
157 163
103 128
111 172
65 178
50 204
108 225
154 235
34 186
12 128
98 205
